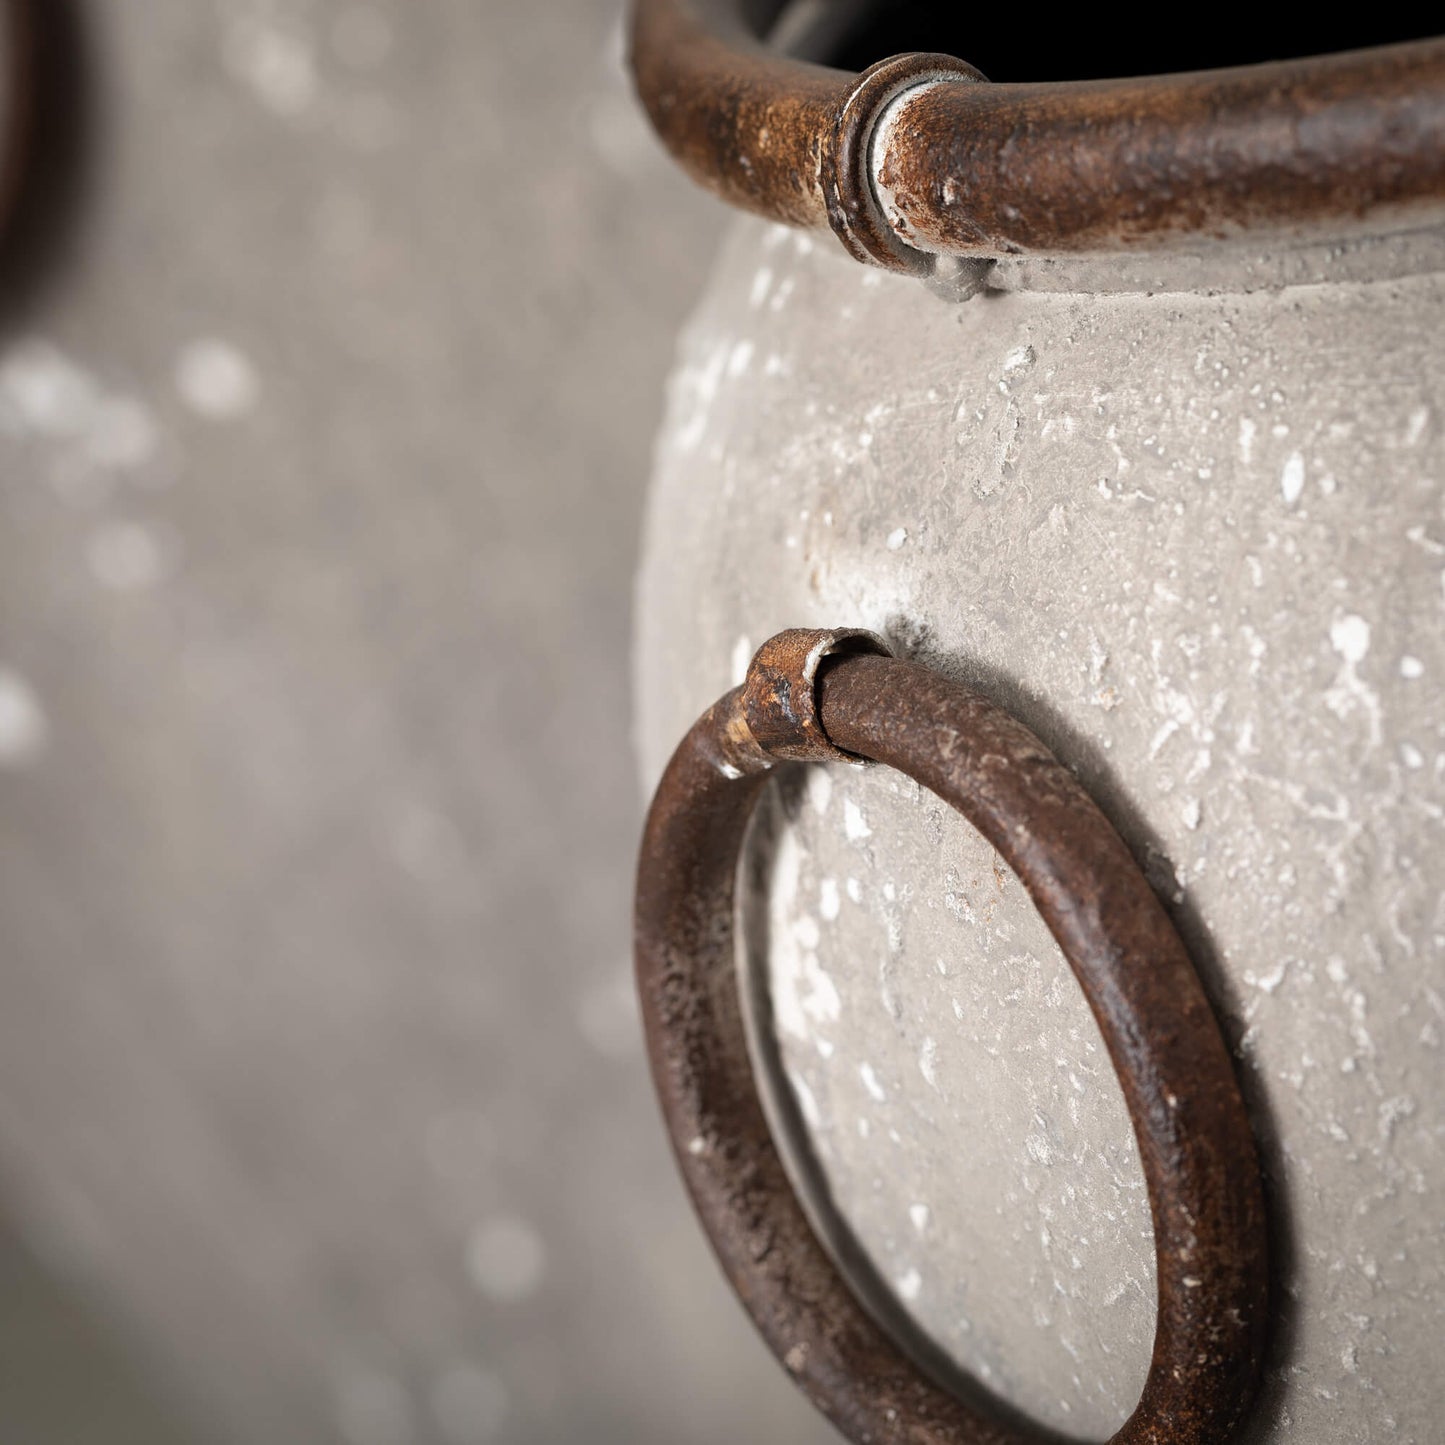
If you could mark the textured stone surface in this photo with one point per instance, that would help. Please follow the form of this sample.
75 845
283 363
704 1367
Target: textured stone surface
321 459
1188 522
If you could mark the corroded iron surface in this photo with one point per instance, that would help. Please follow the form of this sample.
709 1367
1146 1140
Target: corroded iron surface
1196 1148
1323 146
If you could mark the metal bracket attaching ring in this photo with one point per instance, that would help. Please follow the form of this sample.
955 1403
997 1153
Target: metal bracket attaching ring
814 695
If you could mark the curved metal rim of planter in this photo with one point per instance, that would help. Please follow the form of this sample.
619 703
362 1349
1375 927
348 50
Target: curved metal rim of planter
921 158
838 695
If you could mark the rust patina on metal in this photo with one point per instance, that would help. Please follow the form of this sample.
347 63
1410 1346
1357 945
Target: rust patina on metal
905 168
819 696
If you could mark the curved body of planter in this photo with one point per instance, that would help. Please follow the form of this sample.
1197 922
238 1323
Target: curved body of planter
1185 518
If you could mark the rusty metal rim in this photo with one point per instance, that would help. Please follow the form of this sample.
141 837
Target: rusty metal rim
1327 146
837 695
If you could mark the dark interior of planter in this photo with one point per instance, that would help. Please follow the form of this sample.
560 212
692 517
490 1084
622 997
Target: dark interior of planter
1107 44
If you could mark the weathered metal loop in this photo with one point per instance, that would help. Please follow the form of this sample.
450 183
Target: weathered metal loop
1328 146
1195 1144
849 193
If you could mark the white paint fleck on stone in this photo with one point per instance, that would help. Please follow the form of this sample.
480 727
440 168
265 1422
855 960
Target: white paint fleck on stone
820 789
1292 478
803 993
1247 430
1268 982
762 283
919 1214
909 1285
1411 756
1415 426
818 996
829 903
1350 637
855 825
1392 1111
506 1259
23 728
1411 667
1191 812
1039 1144
896 538
928 1063
871 1082
854 890
216 380
740 358
807 1101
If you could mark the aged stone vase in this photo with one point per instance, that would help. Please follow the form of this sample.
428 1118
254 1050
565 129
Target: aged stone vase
1179 506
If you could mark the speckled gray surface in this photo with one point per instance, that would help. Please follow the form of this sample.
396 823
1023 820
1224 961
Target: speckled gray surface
321 463
1189 523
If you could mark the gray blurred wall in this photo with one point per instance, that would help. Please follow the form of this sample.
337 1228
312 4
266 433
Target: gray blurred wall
326 399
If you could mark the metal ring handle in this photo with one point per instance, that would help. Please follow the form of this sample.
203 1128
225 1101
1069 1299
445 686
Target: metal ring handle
818 695
1330 145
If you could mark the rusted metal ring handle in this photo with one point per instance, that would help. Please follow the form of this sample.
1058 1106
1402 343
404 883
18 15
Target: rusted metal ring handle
813 695
1326 146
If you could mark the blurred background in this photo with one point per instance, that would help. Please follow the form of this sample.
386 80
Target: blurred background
333 336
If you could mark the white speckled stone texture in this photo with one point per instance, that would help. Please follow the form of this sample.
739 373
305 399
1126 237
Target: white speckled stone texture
1186 519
